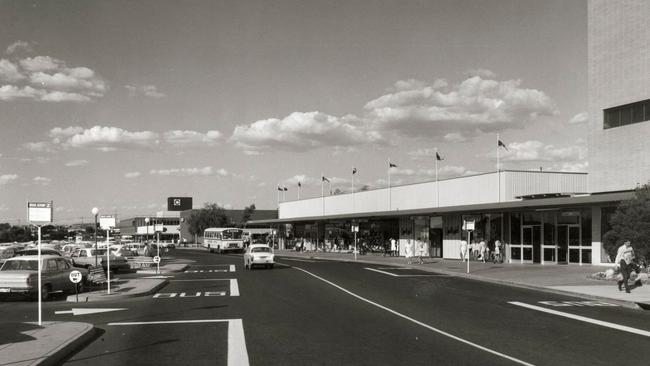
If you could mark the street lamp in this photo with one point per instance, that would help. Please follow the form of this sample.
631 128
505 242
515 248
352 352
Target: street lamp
146 221
95 211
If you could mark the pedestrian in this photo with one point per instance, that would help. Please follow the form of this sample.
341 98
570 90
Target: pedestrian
393 246
463 250
420 250
624 257
474 250
485 250
408 251
497 252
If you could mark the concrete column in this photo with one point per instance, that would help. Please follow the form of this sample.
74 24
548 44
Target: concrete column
596 241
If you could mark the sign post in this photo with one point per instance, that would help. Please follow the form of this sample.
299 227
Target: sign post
39 213
107 222
75 277
355 230
468 225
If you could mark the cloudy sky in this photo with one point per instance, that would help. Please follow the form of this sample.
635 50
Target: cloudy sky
120 104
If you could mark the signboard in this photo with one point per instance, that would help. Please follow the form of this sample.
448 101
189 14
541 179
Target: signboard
355 228
106 221
468 225
179 203
156 259
39 211
75 276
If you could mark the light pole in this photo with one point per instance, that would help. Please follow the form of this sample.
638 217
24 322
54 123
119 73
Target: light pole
95 211
146 221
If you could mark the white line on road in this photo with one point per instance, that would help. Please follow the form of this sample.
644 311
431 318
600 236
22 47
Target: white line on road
298 260
234 287
202 279
237 352
584 319
442 332
384 272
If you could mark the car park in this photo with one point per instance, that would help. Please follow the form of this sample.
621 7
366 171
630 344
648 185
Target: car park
19 275
34 251
258 255
85 258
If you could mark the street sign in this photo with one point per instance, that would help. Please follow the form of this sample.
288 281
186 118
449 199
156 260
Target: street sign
468 225
355 228
106 222
39 212
156 259
75 276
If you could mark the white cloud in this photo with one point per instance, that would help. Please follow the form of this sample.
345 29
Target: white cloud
132 175
11 92
455 137
41 63
110 138
303 131
147 90
579 118
183 137
185 172
483 73
534 150
473 106
4 207
18 45
41 146
9 71
76 163
6 178
42 180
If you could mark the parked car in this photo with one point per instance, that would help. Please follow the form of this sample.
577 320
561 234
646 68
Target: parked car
19 275
8 251
34 251
85 258
258 255
124 252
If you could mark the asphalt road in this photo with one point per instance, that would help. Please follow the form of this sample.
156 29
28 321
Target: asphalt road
309 312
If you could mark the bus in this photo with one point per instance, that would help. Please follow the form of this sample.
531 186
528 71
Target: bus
221 239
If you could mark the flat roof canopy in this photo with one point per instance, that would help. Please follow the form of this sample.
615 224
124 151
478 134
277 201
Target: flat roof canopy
536 203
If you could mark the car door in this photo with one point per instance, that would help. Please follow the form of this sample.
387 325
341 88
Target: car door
65 269
50 271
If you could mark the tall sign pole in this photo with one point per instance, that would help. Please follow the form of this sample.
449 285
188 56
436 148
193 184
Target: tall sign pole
107 222
39 213
468 225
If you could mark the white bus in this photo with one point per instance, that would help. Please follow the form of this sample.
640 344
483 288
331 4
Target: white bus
223 239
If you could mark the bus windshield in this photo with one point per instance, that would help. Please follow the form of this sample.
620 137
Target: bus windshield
231 234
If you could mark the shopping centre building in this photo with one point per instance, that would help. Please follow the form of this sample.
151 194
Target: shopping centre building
544 217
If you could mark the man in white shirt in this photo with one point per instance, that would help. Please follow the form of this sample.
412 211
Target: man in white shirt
624 257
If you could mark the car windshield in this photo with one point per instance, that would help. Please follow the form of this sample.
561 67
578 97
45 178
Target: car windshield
31 265
261 250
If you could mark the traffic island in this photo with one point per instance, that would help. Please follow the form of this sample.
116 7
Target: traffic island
123 289
48 344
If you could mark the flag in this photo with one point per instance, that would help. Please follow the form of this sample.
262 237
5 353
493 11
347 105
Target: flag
325 179
438 157
354 170
285 189
299 185
280 189
391 165
501 144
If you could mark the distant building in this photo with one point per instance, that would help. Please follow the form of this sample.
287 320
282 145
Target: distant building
235 218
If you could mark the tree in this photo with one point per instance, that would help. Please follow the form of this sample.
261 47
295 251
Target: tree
631 221
338 191
211 215
248 213
365 187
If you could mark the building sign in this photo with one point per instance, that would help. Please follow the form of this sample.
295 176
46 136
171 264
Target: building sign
468 225
179 203
106 222
40 212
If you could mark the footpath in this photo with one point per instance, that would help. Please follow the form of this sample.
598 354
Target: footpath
570 280
23 344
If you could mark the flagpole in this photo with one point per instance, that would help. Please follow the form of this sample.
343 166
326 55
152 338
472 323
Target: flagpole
389 190
352 189
498 169
437 184
278 188
298 191
322 192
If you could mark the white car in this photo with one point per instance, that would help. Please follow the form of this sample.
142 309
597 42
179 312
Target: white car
258 255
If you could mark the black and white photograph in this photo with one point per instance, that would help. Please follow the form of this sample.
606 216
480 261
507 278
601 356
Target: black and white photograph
311 182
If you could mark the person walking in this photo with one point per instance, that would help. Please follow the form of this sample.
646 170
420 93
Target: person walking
408 251
419 250
481 250
624 257
463 250
497 252
393 247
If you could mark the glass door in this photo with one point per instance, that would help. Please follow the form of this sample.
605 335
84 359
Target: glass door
573 238
531 243
562 244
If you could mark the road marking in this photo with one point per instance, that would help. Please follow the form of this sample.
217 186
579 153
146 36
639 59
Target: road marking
406 275
298 260
576 303
384 272
237 352
159 277
442 332
202 279
85 311
234 287
584 319
170 295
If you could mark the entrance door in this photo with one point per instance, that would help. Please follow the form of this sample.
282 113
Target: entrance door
568 244
532 243
435 235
